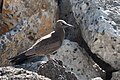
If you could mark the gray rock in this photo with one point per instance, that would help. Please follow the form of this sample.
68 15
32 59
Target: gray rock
11 73
55 71
99 22
27 21
76 60
116 75
51 70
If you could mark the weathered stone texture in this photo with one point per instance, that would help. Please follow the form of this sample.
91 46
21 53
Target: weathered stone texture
76 60
11 73
51 70
116 75
55 71
100 23
27 20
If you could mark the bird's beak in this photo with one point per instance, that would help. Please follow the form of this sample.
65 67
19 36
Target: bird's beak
68 25
65 25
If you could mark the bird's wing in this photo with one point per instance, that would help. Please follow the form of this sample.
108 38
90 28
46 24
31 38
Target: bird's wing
43 46
43 38
47 45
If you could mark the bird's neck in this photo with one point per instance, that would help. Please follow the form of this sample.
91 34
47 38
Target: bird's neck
61 33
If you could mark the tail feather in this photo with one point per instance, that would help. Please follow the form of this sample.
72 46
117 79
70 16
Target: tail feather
19 59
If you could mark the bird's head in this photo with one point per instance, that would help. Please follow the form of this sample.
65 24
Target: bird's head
62 24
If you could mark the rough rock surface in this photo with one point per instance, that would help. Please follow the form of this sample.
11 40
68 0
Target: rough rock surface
76 60
100 25
55 71
22 23
116 75
52 70
11 73
71 57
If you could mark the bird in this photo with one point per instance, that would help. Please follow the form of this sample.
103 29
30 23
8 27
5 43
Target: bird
44 46
1 5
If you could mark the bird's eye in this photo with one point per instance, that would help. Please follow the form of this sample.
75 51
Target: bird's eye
63 24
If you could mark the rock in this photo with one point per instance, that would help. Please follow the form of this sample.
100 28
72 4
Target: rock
55 71
26 21
116 75
76 60
99 23
11 73
31 66
97 78
51 70
69 61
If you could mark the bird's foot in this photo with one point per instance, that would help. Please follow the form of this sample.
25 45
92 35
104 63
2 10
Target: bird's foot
59 62
54 60
51 59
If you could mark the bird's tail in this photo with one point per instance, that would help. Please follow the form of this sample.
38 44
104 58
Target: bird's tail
19 59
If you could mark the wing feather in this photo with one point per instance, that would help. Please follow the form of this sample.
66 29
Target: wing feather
46 45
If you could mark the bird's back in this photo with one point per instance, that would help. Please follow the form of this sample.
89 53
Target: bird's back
46 46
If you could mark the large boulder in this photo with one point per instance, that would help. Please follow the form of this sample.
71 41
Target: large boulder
69 61
56 71
77 60
26 21
11 73
51 70
99 22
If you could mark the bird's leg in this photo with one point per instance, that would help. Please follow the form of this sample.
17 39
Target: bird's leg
49 58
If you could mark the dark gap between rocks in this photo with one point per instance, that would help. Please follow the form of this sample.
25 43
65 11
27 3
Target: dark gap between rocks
105 66
77 37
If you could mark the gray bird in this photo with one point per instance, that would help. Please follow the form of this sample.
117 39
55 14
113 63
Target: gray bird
45 45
